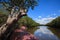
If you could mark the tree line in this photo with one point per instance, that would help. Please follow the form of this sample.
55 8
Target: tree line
54 23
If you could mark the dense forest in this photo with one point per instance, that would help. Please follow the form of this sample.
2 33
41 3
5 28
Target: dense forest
54 23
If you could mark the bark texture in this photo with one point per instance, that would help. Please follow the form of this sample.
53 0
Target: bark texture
6 28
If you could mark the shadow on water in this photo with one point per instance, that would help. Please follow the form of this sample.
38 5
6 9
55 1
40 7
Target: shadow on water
46 33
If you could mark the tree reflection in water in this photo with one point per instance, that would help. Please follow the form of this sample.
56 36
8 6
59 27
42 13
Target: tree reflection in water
43 33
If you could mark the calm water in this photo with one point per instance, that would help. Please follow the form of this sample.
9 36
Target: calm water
43 33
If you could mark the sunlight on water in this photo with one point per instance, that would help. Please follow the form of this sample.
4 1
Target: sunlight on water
43 33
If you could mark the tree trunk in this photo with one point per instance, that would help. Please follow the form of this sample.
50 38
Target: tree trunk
8 26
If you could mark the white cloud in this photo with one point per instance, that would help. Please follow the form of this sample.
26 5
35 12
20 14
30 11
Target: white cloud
40 17
44 20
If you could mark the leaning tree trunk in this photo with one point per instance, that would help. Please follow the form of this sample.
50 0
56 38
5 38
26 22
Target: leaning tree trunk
12 19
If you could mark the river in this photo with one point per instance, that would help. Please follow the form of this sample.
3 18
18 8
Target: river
44 33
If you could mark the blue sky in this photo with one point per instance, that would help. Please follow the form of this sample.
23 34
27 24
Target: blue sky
46 11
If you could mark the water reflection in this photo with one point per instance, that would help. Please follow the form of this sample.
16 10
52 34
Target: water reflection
43 33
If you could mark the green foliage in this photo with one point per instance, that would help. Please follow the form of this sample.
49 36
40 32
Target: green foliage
55 23
28 21
3 18
20 3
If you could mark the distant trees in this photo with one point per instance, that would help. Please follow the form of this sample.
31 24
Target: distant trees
28 21
55 23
